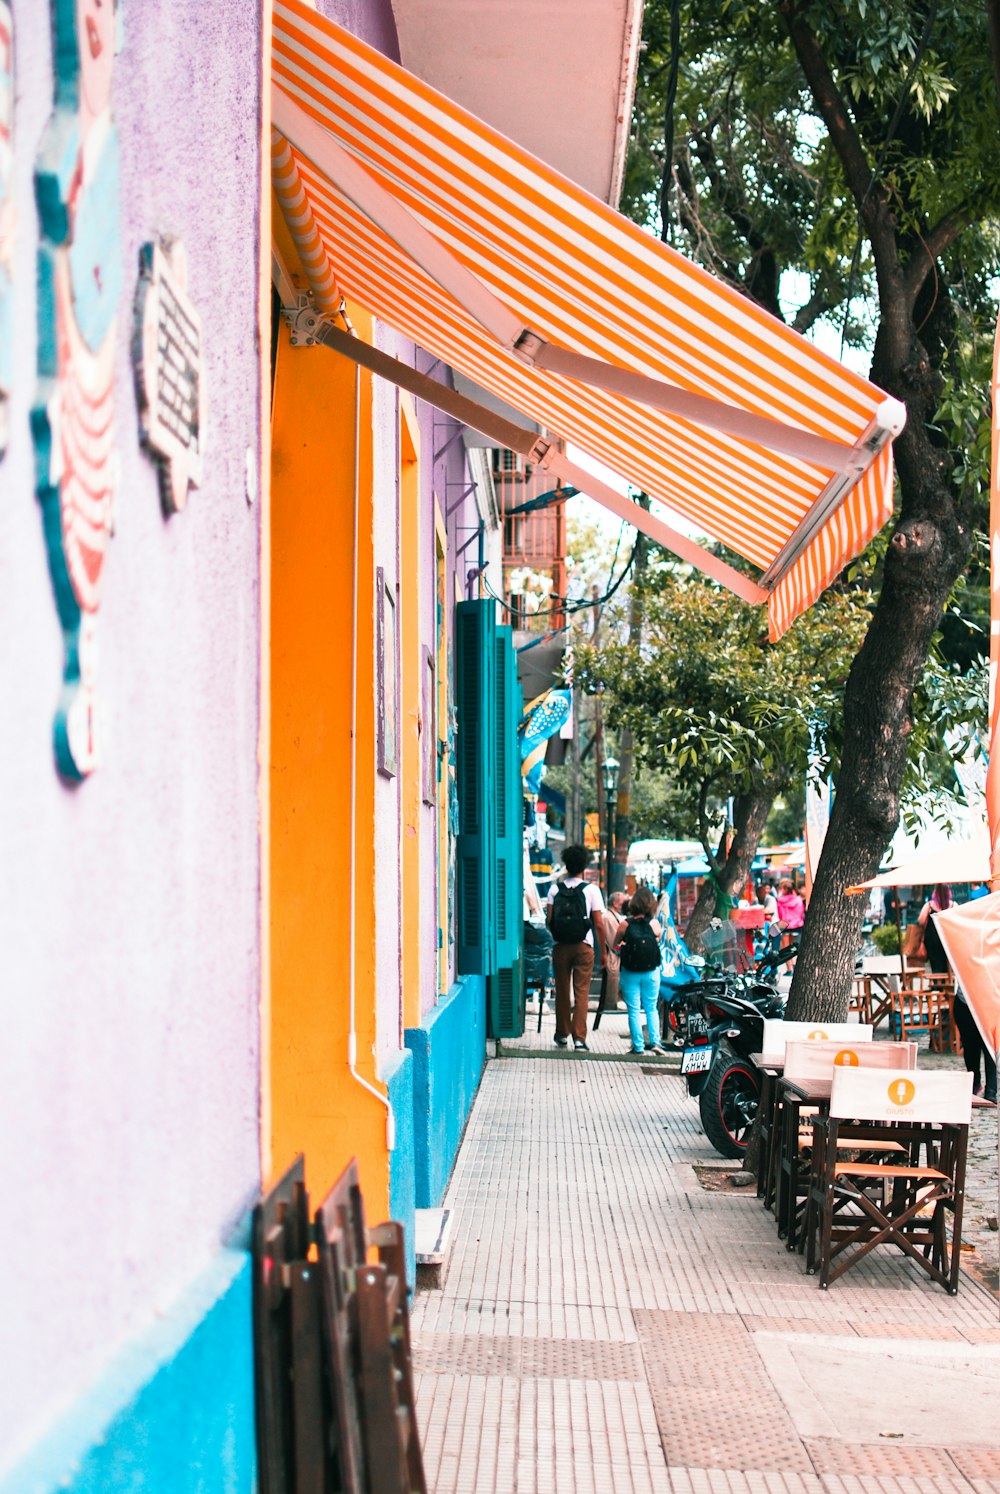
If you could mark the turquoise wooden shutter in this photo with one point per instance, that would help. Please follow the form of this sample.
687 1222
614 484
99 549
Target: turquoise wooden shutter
506 1003
475 659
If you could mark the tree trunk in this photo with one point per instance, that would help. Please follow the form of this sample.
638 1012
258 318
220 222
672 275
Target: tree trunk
626 744
623 815
925 556
750 812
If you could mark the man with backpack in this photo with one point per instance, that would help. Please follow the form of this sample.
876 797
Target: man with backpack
573 915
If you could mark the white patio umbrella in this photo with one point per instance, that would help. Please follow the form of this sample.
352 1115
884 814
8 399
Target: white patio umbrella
962 861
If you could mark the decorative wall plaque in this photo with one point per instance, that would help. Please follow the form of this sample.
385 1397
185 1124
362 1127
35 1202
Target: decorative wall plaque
169 374
79 290
6 216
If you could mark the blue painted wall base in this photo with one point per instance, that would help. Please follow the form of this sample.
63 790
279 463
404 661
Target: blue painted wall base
402 1179
449 1051
173 1412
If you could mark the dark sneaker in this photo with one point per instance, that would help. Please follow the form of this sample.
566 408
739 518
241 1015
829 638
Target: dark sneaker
561 1042
580 1046
990 1095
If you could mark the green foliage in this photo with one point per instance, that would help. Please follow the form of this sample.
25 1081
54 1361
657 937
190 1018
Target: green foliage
885 937
755 189
950 731
787 817
706 698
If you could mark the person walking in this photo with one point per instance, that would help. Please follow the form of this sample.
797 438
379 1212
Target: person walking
791 914
638 946
768 901
939 900
790 906
973 1048
573 914
611 918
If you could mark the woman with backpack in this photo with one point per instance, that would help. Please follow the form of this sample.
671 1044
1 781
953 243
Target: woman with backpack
638 949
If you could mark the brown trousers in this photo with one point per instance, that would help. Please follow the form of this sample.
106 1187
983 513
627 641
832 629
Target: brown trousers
572 964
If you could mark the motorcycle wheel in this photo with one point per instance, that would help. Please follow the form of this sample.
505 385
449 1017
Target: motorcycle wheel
728 1104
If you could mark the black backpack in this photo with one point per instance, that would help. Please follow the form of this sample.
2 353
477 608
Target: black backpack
638 948
570 922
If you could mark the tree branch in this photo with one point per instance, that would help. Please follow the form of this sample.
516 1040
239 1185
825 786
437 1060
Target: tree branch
761 284
870 196
931 247
817 305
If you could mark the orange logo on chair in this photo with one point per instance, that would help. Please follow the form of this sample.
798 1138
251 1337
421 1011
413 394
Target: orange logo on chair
846 1058
901 1091
818 1035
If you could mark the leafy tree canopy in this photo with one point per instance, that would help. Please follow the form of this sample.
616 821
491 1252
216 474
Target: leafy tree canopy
725 717
837 161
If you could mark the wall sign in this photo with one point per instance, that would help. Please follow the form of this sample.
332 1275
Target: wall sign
79 289
169 374
6 216
386 685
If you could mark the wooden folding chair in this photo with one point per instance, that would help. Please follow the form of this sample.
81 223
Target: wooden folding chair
335 1401
290 1436
366 1341
806 1062
857 1203
916 1009
861 998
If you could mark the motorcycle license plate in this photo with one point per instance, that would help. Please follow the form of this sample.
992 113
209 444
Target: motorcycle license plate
697 1060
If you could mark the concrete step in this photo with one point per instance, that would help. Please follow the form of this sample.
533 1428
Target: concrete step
432 1228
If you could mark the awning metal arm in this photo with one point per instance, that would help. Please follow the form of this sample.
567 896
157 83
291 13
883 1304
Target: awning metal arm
681 545
775 435
531 445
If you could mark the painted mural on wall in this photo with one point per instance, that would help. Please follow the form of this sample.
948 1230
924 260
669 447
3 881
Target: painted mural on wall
6 217
79 291
169 376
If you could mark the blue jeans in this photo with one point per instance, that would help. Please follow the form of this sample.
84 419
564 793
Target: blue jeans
641 987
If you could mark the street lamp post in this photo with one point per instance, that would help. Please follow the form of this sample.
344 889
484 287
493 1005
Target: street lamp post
610 775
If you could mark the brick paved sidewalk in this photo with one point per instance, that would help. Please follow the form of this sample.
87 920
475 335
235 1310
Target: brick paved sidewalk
607 1323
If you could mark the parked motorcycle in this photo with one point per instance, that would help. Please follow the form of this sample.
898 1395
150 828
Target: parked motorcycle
723 1025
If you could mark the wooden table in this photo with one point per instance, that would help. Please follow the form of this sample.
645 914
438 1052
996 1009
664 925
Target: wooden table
793 1096
881 972
769 1066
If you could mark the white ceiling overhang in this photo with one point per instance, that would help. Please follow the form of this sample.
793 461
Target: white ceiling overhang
556 76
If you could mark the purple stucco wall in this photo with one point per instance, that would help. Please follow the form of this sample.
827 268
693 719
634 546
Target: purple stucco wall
129 906
372 20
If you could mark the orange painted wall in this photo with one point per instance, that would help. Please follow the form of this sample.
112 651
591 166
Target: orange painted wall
316 1105
411 672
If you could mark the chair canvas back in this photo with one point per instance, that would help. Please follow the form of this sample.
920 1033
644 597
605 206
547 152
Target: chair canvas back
817 1060
901 1095
777 1033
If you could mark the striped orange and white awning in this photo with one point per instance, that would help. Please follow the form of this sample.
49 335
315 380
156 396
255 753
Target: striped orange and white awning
546 297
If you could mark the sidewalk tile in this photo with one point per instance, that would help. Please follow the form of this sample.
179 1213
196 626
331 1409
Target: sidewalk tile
596 1330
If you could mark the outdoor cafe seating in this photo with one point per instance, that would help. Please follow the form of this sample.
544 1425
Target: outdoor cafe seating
873 1158
776 1034
912 1195
923 1005
808 1065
